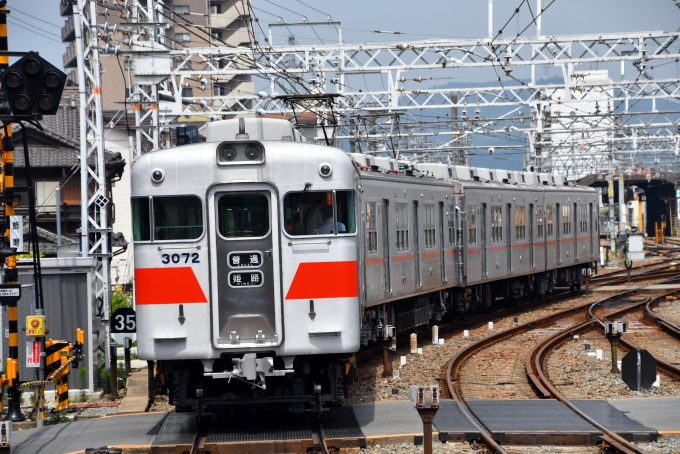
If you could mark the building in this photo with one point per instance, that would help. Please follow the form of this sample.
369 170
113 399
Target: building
190 23
54 157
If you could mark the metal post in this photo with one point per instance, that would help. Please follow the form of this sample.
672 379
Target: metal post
490 19
622 207
57 200
612 227
614 342
113 354
152 381
126 352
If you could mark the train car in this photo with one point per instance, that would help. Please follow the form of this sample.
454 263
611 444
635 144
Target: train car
263 263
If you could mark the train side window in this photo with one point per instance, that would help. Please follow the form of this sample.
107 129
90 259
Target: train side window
549 221
243 215
177 218
583 218
429 225
141 219
371 228
520 224
401 223
451 222
566 220
496 224
472 225
318 212
539 223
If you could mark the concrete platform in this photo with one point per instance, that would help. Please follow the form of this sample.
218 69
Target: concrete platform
136 399
663 414
657 289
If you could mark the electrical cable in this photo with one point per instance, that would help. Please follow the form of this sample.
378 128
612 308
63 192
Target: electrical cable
32 31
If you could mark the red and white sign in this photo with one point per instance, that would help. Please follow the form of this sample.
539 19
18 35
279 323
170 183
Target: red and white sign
33 353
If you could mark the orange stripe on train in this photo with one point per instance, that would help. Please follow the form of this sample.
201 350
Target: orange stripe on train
324 280
173 285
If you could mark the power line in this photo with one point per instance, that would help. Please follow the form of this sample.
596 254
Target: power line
26 14
33 31
31 25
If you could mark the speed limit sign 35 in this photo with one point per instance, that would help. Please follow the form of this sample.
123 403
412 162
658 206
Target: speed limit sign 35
124 320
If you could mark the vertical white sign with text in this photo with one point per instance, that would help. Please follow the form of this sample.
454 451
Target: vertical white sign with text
16 232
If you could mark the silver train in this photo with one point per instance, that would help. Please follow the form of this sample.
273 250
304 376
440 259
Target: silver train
263 263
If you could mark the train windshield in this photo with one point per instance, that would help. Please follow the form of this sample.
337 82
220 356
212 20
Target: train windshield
319 212
169 218
243 215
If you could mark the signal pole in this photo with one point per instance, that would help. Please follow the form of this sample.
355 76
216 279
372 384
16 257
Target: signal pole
11 273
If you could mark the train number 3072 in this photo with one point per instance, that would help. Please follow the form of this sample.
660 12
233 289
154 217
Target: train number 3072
180 258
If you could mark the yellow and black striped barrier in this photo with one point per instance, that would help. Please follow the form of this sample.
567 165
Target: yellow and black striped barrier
57 354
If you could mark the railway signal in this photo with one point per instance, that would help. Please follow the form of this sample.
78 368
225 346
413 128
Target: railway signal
33 87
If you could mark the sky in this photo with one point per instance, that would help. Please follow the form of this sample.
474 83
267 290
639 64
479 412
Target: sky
426 19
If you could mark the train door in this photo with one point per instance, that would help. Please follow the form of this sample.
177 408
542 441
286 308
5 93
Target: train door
482 225
558 232
442 242
508 234
246 261
576 230
416 243
590 230
531 235
386 246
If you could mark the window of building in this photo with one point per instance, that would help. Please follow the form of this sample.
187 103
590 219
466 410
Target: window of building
371 229
472 225
187 92
129 65
583 218
172 218
318 213
520 224
539 223
496 224
220 90
566 220
45 196
401 222
451 219
182 37
182 65
429 224
217 34
215 8
181 9
549 221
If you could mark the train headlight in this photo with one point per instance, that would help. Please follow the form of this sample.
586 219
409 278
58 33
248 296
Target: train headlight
157 175
325 170
252 153
228 153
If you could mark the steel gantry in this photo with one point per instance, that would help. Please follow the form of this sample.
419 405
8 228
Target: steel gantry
94 203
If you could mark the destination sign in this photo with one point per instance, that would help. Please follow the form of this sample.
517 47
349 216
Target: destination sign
245 279
245 259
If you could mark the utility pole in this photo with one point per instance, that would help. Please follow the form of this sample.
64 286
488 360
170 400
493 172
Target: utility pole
623 224
94 202
11 273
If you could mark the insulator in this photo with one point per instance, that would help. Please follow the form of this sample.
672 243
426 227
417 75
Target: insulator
418 79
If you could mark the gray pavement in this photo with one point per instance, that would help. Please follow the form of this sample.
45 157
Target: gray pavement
79 435
388 418
661 413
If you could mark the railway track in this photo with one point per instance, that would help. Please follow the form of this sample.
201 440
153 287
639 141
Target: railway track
537 357
562 323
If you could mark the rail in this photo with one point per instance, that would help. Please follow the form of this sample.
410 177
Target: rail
536 358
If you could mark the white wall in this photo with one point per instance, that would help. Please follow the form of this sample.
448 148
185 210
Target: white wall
122 265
